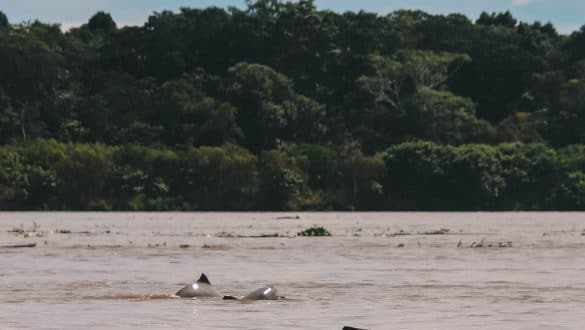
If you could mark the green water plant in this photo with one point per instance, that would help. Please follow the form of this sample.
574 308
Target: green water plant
315 231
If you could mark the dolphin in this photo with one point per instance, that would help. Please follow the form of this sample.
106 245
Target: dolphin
265 293
201 288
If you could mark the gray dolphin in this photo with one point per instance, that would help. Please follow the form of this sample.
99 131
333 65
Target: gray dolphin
266 293
201 288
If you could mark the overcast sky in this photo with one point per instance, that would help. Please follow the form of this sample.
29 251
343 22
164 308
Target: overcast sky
566 15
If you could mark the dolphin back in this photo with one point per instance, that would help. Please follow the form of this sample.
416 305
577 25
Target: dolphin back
266 293
201 288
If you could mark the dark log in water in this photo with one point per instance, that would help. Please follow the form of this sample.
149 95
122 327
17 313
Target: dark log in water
18 246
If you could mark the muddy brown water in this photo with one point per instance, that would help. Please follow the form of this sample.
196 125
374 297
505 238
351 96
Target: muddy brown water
119 270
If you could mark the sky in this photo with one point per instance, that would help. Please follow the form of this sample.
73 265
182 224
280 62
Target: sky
566 15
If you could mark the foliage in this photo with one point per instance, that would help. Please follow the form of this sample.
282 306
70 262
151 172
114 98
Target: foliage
282 105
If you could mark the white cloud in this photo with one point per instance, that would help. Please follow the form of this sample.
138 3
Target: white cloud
522 2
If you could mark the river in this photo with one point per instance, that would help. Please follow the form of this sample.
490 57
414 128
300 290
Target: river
377 271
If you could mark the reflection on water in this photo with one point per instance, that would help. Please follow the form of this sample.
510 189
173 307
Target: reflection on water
378 271
132 297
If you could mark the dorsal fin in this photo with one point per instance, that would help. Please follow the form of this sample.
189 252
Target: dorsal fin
203 279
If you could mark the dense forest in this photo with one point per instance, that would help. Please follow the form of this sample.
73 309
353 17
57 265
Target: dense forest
281 106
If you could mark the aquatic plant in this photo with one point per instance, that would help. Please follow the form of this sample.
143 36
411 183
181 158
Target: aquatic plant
315 231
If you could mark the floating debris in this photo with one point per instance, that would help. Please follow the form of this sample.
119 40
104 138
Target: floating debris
442 231
18 230
218 247
401 233
475 245
224 235
236 235
18 246
482 243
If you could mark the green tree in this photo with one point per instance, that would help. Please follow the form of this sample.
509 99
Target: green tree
444 117
571 193
269 110
3 21
190 116
497 19
531 172
101 22
32 71
386 107
217 178
363 179
281 182
9 120
14 181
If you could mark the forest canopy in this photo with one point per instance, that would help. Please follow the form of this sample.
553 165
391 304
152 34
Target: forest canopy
281 106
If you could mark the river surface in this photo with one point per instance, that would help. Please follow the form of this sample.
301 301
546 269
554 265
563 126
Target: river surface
377 271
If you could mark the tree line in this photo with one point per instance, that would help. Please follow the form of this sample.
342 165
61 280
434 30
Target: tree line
51 175
284 106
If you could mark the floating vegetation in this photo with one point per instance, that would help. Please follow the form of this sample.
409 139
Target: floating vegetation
63 231
315 231
184 246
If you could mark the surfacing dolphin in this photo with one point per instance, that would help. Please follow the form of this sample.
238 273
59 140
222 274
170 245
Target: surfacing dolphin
201 288
266 293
